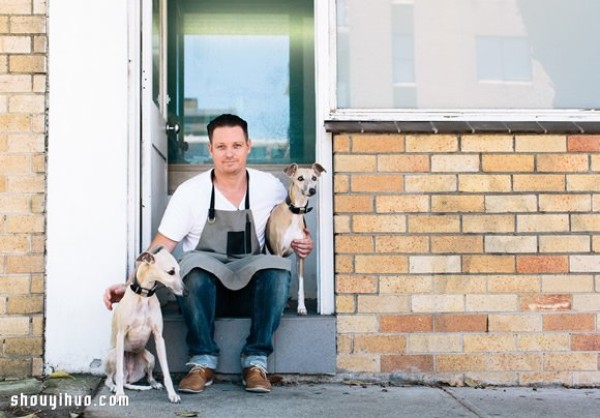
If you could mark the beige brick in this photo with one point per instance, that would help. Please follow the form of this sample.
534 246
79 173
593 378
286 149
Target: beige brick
459 284
463 244
493 378
434 264
564 243
15 7
431 143
29 64
341 143
488 264
357 323
354 163
507 163
40 44
37 325
488 183
584 263
402 203
377 144
355 284
515 322
511 203
585 379
538 182
487 143
491 303
596 203
565 203
379 223
383 304
14 243
38 124
25 143
513 283
510 244
24 264
15 45
488 223
4 28
596 243
453 203
438 303
585 223
440 343
430 183
446 363
403 163
14 123
341 224
14 325
562 163
540 143
377 183
353 244
595 162
26 184
381 264
25 304
341 184
14 285
407 363
39 83
345 304
379 344
15 368
541 342
24 223
568 283
37 283
344 344
353 203
405 284
583 182
486 343
401 244
38 163
542 223
358 363
571 361
27 104
19 346
455 163
515 362
28 24
586 302
433 223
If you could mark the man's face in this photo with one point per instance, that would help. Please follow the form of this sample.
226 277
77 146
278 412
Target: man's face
229 149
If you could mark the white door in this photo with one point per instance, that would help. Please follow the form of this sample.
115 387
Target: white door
154 110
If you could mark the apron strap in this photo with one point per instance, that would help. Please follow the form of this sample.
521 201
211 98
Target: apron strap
211 209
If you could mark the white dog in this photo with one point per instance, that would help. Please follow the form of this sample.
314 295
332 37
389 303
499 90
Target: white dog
137 316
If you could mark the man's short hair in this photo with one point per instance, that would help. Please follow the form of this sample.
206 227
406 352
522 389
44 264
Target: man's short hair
226 119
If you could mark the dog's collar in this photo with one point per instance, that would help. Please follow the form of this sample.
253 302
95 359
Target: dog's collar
295 209
139 290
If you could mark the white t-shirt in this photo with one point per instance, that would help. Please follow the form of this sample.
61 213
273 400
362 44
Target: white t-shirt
187 211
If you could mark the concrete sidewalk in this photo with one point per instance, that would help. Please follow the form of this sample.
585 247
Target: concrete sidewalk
331 400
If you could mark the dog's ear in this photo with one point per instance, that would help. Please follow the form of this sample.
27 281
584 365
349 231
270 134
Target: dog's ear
157 249
145 257
290 170
318 168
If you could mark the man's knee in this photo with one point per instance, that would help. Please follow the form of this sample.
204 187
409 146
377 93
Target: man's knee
199 280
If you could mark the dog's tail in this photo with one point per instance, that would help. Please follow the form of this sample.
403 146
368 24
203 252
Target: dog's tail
136 387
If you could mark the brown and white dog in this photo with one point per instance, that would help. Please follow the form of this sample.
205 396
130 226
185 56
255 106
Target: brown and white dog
137 316
286 221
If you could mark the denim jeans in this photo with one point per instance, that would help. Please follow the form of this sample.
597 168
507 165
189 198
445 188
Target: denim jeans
263 300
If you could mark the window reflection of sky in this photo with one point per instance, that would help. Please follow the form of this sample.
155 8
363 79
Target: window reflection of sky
247 75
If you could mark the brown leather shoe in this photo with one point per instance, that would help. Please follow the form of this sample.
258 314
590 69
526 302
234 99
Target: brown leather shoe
255 379
196 380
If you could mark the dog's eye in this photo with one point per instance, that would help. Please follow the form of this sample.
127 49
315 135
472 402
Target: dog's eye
301 178
314 178
171 272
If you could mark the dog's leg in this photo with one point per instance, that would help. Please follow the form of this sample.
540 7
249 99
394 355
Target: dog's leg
300 269
119 367
109 368
149 359
161 352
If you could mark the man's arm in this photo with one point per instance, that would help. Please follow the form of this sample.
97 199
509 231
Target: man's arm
114 293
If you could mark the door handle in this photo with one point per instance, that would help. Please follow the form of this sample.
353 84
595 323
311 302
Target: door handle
172 128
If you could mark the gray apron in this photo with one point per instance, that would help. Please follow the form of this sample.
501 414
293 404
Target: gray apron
229 247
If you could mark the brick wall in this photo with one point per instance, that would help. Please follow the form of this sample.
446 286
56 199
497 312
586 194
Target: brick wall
22 185
468 258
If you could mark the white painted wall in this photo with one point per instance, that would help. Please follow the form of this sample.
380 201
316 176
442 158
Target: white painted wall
87 177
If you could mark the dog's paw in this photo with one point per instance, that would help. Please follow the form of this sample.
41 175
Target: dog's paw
174 398
302 311
156 385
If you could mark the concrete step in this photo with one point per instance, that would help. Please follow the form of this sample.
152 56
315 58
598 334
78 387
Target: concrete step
303 345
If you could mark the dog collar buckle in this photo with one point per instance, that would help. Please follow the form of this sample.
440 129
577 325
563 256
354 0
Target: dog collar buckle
297 210
139 290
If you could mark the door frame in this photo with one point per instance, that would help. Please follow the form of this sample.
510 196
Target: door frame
324 147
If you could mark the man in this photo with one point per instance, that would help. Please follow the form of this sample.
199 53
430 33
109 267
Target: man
220 217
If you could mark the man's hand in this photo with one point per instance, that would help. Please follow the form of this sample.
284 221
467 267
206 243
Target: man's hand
113 294
303 247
